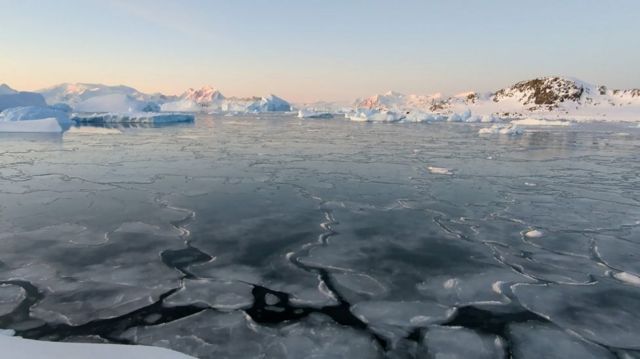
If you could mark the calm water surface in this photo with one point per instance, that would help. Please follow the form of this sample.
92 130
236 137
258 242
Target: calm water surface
278 237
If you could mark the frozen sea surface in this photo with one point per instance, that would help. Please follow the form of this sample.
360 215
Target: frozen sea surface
275 236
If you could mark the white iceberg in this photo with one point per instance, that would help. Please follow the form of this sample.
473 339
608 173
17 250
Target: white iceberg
34 119
313 114
116 103
374 116
139 117
271 103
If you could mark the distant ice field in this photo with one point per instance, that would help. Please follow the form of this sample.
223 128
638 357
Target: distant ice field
282 237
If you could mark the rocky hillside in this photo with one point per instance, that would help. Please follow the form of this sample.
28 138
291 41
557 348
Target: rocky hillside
545 97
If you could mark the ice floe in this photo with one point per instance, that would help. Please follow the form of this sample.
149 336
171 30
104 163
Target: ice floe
221 295
604 312
211 334
532 340
460 343
10 298
502 129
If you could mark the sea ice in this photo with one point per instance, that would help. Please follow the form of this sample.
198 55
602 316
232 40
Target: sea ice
211 334
460 343
221 295
502 130
532 340
604 312
10 298
396 319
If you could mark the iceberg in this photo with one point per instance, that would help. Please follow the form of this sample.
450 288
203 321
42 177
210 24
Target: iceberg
116 103
34 119
139 117
313 114
271 103
375 116
17 99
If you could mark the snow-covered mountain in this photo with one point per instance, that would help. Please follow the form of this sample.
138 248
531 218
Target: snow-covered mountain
203 96
75 93
208 99
545 97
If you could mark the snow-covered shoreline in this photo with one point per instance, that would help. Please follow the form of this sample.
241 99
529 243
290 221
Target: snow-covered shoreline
19 348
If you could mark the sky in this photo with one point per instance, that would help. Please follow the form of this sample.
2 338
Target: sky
310 50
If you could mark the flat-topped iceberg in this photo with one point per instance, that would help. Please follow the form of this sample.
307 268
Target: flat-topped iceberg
314 114
134 117
34 119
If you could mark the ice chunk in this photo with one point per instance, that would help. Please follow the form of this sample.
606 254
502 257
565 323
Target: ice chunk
18 348
10 298
211 334
115 103
375 116
534 233
439 170
502 130
604 312
402 314
221 295
140 117
460 343
532 340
